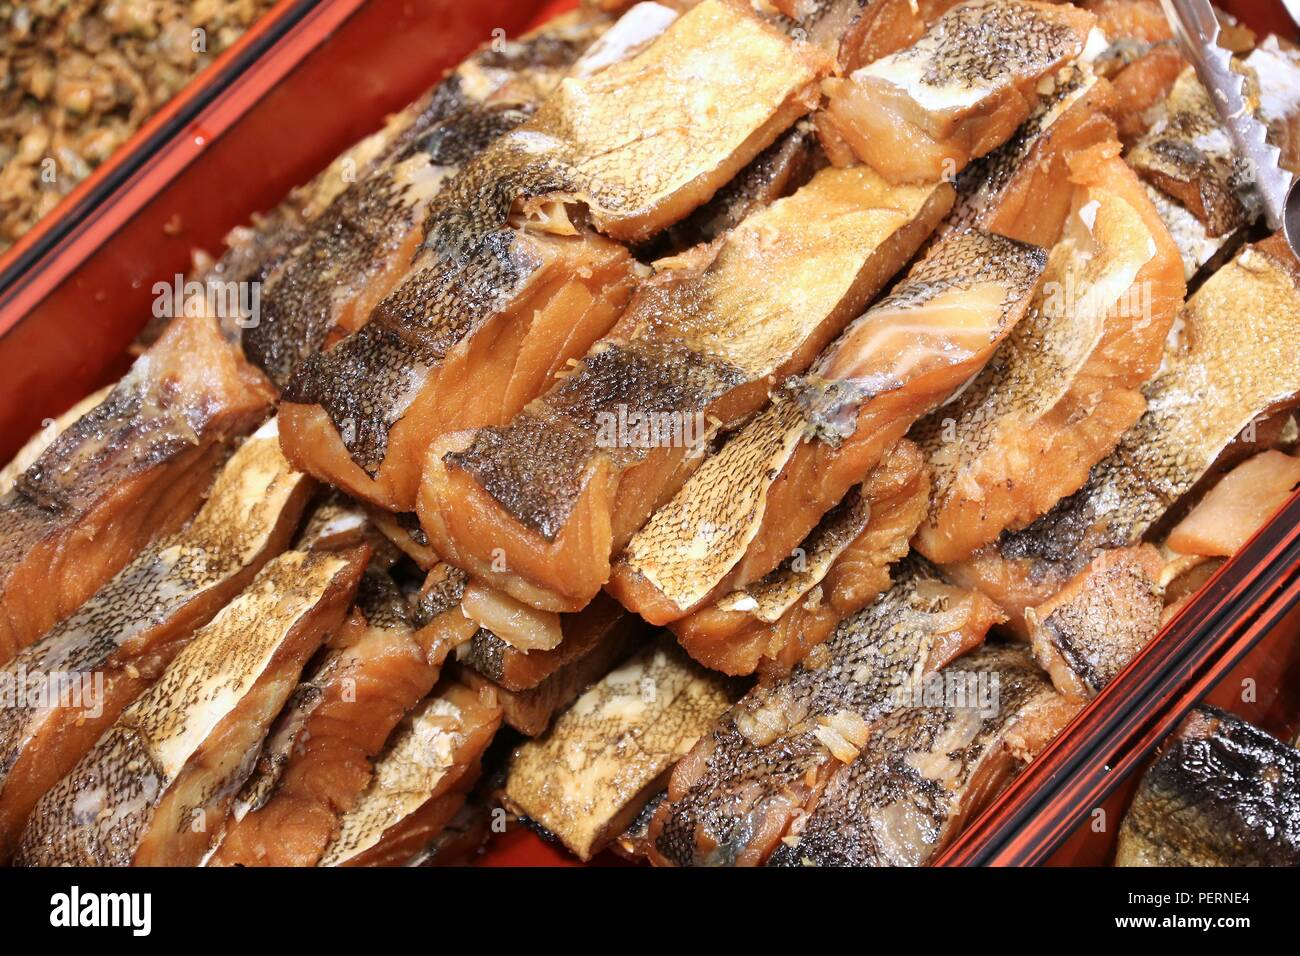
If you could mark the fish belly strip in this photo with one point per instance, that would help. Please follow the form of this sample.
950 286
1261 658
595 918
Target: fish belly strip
157 786
839 568
734 796
420 781
1060 392
122 639
317 762
590 775
927 769
1236 360
960 91
747 508
1222 793
1086 633
488 312
564 485
134 467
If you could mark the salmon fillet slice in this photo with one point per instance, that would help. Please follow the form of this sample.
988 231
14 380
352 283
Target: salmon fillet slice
928 769
82 674
734 797
839 568
420 781
555 494
1237 506
35 446
132 468
156 787
1233 363
1064 387
923 113
590 775
1086 633
508 285
750 505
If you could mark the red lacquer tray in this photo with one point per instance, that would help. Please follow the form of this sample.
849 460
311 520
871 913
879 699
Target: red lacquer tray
314 76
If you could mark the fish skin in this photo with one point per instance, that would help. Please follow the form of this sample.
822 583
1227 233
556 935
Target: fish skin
926 770
924 112
700 342
420 781
1084 635
364 412
35 446
588 777
132 468
199 726
772 624
1236 361
1063 388
131 629
1222 793
748 506
732 799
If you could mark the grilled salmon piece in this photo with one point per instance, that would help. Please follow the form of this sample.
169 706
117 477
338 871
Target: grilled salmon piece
132 468
420 781
564 485
923 113
734 796
1233 364
41 440
1086 633
1275 70
94 663
156 787
1222 793
589 776
317 760
926 770
749 506
841 566
1237 506
1065 385
508 284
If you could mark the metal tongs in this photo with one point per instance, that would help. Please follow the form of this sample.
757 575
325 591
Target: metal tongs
1197 29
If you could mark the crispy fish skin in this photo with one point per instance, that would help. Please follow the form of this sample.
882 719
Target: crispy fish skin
41 440
843 565
560 489
317 760
927 769
155 788
1064 387
485 301
1084 635
132 627
1236 361
960 91
1222 793
133 467
420 781
589 776
732 799
749 506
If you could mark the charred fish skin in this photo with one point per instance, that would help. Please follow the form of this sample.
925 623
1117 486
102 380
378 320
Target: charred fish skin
1222 793
927 768
130 630
586 146
732 799
128 801
742 513
133 467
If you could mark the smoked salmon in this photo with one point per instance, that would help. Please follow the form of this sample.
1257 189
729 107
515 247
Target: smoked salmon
923 113
509 284
749 506
539 506
132 468
156 788
81 675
